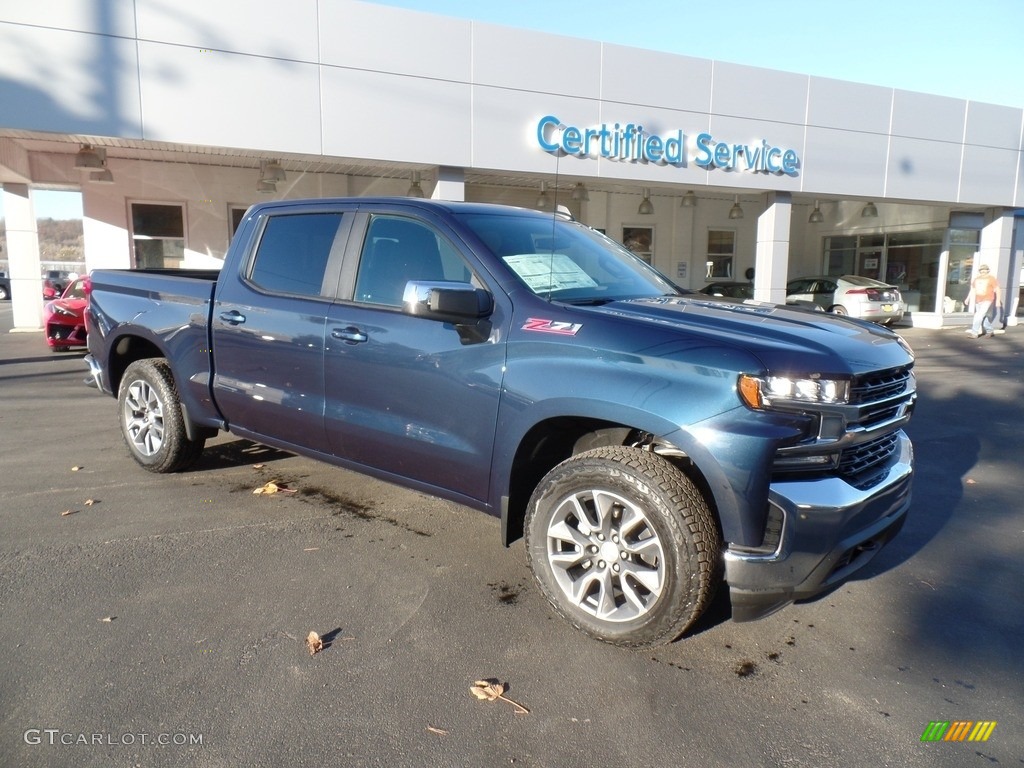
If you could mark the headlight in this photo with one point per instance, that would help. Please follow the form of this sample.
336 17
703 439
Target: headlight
760 392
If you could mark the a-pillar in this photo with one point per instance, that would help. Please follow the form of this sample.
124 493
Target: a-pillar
23 258
771 258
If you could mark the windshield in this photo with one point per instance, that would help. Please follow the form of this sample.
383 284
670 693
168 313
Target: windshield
567 261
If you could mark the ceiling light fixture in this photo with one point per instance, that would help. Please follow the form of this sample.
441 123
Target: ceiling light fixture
870 211
103 176
580 192
542 199
89 159
646 206
816 215
272 171
415 190
689 200
736 212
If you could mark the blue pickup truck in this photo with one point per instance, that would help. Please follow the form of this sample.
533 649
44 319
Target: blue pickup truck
646 442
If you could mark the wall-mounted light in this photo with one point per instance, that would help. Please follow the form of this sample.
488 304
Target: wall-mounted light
689 200
415 190
869 211
542 199
736 212
646 206
816 216
580 192
89 159
266 186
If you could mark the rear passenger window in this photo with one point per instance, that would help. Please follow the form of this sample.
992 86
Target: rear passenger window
293 253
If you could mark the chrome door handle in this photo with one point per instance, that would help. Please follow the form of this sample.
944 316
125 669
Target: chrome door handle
234 317
351 335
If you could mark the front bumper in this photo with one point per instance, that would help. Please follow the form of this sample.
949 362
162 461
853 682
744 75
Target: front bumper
830 530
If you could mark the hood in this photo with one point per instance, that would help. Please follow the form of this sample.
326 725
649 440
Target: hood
784 338
74 306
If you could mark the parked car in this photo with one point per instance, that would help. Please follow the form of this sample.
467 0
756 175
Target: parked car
54 283
730 290
852 295
64 318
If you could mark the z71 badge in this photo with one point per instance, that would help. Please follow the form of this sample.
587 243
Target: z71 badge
552 326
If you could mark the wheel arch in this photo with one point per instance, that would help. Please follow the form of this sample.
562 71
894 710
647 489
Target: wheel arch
553 440
130 347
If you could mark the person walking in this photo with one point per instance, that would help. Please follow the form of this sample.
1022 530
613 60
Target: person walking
984 295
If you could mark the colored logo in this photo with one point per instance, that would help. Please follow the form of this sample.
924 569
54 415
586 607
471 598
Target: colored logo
958 730
552 326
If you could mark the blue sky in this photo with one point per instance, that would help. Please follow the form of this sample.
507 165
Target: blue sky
968 50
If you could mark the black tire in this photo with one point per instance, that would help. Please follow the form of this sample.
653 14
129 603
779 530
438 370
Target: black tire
151 419
633 537
3 293
839 309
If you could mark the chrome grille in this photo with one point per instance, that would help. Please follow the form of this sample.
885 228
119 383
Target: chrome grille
860 458
879 385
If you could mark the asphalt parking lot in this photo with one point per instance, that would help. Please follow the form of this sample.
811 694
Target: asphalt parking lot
160 620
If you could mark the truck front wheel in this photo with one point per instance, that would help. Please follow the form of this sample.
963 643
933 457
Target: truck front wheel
624 546
151 419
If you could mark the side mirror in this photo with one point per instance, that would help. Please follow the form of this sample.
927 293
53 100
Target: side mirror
447 302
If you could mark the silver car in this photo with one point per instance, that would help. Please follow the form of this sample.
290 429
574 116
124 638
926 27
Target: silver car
852 295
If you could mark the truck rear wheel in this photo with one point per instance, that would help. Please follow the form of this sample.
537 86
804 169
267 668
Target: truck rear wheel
624 546
151 419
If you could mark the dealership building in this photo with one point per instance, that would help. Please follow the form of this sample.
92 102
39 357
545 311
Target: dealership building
172 118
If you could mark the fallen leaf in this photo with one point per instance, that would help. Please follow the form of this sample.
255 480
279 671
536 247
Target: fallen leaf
314 643
67 512
971 481
311 549
75 468
258 466
438 731
492 690
272 487
90 502
108 619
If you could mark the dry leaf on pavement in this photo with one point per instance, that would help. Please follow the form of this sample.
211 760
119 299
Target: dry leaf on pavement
491 690
314 643
67 512
90 502
272 487
438 731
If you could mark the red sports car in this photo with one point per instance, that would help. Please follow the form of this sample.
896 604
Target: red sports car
64 318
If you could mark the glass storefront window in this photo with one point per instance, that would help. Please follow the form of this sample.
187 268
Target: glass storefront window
721 250
912 265
963 247
840 253
158 235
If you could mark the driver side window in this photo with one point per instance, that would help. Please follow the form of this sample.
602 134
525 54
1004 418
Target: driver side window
397 250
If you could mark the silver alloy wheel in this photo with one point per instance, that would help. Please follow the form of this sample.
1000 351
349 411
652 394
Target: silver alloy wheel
144 418
605 555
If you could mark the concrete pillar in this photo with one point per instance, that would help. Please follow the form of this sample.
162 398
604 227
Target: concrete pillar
23 257
771 258
451 184
996 250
